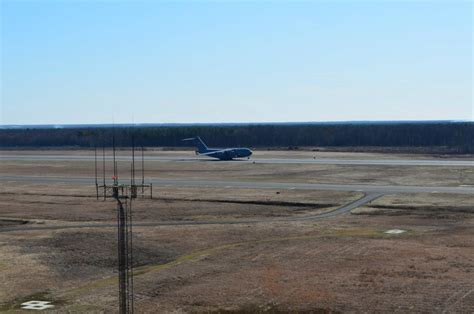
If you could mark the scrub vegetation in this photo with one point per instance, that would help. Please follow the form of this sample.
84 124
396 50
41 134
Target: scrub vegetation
446 137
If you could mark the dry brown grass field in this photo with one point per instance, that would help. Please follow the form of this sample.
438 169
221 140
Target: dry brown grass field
249 256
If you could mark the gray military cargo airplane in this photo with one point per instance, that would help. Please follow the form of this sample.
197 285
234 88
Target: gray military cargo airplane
219 153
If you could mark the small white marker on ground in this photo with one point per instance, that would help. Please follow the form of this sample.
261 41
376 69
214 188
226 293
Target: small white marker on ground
395 231
36 305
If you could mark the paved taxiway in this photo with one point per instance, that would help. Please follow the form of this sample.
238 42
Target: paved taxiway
384 189
257 160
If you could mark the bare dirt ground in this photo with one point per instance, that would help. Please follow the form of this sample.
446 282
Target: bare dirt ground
343 264
60 202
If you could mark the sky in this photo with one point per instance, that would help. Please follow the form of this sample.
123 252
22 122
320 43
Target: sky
74 62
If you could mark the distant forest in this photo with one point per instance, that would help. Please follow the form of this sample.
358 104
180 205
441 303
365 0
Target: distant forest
457 136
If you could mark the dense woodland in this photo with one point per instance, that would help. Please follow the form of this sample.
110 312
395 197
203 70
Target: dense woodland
458 136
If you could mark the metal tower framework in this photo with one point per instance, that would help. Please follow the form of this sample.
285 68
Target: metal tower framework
105 189
123 194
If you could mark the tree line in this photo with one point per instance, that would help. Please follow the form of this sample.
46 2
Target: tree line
456 135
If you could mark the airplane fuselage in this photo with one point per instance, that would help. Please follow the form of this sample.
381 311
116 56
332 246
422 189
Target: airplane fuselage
227 154
219 153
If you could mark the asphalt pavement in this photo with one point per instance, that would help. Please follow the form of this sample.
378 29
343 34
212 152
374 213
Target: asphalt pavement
256 160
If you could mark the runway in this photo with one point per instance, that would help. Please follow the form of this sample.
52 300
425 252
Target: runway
366 188
257 160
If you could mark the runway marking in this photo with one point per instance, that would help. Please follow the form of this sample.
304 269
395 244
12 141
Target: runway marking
36 305
395 231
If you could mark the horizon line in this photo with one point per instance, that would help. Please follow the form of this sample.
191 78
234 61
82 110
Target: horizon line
138 124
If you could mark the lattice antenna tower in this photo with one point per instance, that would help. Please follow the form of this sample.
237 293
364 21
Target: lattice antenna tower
123 194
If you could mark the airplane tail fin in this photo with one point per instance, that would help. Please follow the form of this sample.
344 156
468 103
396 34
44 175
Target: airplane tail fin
201 146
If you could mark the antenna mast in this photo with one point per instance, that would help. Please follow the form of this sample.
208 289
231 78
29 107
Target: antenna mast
123 194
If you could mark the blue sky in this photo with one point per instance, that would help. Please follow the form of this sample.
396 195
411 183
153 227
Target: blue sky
162 62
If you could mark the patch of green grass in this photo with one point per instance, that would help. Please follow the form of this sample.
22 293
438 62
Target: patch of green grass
3 265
